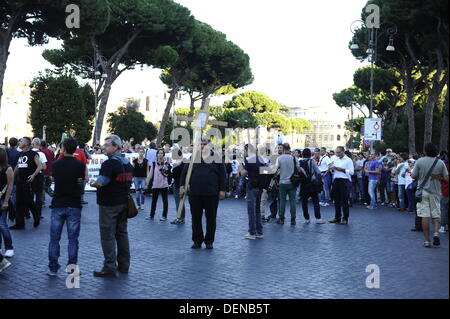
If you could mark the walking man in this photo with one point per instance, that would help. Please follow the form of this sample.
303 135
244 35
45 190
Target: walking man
68 174
113 185
430 171
342 169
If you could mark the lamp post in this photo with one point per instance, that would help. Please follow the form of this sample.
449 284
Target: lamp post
386 28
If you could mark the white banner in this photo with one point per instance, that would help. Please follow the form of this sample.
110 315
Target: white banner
96 162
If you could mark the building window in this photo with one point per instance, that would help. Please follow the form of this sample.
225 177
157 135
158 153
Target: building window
331 137
339 127
338 138
147 103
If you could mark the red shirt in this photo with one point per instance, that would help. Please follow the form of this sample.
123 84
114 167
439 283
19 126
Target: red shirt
79 155
444 186
50 156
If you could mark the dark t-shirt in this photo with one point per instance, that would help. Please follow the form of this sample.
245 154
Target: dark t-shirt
12 156
3 181
66 172
140 170
26 165
116 191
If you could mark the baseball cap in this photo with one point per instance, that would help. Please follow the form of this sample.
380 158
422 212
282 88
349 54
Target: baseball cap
389 150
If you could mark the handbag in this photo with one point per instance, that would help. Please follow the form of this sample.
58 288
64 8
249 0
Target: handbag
419 191
132 209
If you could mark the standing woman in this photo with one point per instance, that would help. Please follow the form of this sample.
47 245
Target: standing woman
6 187
158 177
140 170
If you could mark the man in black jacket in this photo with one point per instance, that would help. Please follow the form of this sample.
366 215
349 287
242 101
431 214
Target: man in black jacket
206 186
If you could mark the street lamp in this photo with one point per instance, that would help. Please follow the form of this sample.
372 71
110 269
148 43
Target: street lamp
386 28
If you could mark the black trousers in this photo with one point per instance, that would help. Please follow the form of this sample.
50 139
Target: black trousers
24 202
38 189
274 205
315 199
209 205
341 193
164 194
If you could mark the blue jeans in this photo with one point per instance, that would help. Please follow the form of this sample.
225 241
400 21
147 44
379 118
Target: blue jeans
59 217
176 196
372 192
4 230
410 194
254 210
401 196
324 196
290 190
240 186
362 193
139 185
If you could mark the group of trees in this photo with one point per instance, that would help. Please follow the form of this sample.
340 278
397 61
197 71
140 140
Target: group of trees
251 109
120 34
411 83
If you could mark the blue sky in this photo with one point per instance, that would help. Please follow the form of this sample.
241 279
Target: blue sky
298 49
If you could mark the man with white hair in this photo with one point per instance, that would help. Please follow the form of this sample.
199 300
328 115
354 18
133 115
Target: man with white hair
113 185
38 183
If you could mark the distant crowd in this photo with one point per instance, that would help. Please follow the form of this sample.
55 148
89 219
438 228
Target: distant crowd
30 169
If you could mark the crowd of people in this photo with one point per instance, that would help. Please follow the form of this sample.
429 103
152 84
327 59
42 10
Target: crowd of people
30 169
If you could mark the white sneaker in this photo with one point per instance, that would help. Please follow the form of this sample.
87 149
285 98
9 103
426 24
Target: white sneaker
163 219
236 197
322 204
441 230
326 204
307 221
4 264
249 236
320 221
9 253
259 236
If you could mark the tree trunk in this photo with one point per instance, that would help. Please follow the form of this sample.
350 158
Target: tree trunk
443 145
165 118
5 41
204 102
409 84
102 110
434 90
192 106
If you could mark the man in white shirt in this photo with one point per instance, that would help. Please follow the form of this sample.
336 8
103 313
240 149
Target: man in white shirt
150 155
342 170
38 183
324 162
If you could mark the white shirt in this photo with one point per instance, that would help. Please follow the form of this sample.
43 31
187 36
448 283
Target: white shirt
323 163
345 163
151 155
234 167
42 157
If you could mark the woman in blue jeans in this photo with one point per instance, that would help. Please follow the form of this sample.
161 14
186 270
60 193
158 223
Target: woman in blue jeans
140 171
6 187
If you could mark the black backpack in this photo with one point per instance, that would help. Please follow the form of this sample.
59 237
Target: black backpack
314 186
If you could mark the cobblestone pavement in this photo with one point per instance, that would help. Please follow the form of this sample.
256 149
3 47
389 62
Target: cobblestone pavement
302 261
